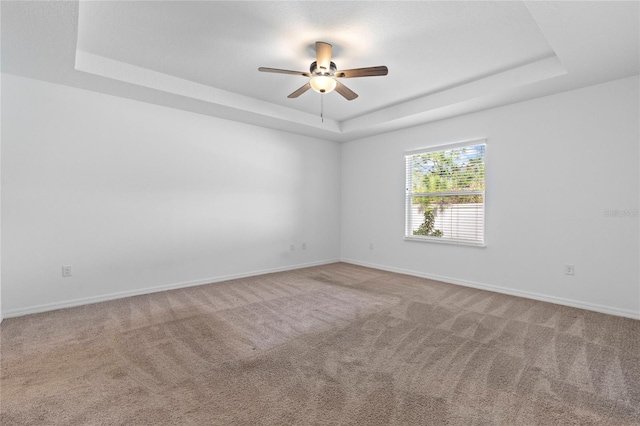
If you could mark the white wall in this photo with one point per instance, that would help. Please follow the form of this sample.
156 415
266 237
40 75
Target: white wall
554 165
1 315
138 197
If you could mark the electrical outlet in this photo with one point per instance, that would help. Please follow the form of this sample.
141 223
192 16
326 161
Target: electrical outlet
568 269
304 246
370 246
66 270
292 247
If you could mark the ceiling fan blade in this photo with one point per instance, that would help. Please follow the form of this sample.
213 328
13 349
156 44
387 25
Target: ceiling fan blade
347 93
323 55
362 72
300 91
279 71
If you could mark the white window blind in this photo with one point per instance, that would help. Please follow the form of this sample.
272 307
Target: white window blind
445 193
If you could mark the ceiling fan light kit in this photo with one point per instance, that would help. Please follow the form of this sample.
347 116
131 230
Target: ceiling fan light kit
323 83
323 74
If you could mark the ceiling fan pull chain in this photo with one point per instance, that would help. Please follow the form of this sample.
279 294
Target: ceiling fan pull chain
322 107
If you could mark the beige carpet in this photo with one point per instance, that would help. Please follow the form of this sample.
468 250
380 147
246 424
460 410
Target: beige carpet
330 345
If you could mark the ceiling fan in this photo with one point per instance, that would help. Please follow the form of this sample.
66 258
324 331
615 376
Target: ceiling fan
323 74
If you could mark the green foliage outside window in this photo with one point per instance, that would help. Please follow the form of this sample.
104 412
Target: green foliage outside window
426 228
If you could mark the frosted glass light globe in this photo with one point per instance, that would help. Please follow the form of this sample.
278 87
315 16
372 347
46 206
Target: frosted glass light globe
323 83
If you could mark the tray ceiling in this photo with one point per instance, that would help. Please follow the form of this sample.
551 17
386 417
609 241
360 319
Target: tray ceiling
444 58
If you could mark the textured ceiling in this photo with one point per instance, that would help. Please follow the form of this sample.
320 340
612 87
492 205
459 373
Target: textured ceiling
444 58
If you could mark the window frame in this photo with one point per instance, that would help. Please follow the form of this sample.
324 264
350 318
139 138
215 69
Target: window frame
410 195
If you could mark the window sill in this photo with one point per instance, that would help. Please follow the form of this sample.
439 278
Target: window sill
446 241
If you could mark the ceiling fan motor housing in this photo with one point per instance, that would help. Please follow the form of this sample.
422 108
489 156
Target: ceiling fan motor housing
322 71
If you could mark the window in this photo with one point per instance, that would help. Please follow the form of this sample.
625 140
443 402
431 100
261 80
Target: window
445 193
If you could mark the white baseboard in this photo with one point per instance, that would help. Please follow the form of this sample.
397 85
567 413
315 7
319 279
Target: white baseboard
504 290
119 295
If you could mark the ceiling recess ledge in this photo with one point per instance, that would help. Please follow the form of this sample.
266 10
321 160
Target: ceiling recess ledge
481 93
109 68
447 103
